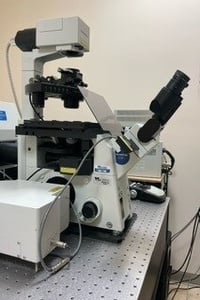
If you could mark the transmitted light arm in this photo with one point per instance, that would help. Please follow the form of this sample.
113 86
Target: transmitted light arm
50 40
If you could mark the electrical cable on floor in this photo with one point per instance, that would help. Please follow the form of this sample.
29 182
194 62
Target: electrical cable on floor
187 280
185 288
183 229
182 277
194 278
196 224
10 43
61 264
188 256
189 253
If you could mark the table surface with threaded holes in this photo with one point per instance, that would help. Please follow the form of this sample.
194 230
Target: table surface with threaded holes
100 270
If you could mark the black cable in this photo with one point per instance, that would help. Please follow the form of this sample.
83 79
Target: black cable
195 227
166 169
187 280
172 159
35 172
194 278
188 288
182 277
53 163
33 107
174 236
188 256
194 232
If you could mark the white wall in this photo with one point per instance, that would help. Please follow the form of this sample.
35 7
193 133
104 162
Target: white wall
136 46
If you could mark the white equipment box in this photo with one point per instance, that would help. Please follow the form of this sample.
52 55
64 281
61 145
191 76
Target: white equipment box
9 118
150 165
22 208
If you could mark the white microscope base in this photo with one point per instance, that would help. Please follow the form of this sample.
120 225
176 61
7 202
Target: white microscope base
22 207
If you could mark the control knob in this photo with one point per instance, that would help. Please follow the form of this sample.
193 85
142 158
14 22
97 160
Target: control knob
89 210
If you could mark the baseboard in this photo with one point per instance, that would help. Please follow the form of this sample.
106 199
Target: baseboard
188 276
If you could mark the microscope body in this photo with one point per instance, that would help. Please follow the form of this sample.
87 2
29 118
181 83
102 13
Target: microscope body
100 191
50 152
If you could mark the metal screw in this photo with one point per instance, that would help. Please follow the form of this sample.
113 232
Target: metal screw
109 224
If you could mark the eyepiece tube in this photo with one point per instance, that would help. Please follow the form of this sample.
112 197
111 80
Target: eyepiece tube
169 98
164 106
178 82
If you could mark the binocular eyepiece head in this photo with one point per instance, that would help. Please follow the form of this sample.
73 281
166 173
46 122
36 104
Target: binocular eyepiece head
164 106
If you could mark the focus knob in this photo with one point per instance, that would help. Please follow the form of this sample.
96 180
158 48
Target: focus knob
89 210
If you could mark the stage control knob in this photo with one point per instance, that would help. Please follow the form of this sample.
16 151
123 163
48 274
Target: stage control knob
89 210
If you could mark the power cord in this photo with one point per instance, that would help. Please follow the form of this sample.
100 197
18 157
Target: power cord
171 157
187 259
196 219
185 289
185 227
167 167
187 280
10 43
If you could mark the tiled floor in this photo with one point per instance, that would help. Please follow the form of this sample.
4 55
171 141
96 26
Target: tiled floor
192 294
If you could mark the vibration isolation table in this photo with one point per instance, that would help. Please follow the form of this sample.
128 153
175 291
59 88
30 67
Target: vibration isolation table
130 270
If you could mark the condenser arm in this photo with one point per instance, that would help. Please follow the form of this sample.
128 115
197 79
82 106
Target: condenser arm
50 40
